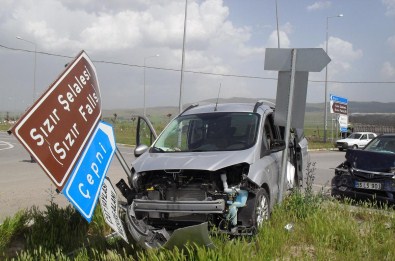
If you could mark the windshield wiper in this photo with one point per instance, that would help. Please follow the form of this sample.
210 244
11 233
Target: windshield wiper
157 149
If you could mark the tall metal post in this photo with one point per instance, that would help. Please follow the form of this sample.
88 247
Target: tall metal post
326 79
278 32
183 57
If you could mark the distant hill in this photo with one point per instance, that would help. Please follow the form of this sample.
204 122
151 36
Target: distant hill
376 113
371 107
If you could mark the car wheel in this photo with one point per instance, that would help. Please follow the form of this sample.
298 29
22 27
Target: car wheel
355 147
256 211
341 149
261 211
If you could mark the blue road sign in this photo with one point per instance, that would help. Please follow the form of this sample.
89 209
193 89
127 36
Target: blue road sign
338 99
83 187
342 129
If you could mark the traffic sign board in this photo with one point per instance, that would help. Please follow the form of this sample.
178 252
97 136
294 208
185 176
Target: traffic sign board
338 99
343 123
307 59
337 107
58 125
83 186
109 206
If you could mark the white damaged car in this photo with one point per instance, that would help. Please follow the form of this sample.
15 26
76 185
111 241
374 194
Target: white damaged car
216 165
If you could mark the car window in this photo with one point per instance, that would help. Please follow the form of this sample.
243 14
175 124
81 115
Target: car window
364 137
382 144
209 132
354 136
371 136
270 134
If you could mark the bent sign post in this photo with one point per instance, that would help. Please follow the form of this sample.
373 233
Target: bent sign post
83 186
293 66
58 125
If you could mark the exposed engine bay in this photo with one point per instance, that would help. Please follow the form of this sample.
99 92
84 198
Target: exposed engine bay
162 201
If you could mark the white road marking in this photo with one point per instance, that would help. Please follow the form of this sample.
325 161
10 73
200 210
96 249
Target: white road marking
5 145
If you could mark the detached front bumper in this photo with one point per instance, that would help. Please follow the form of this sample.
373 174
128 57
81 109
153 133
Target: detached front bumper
168 206
150 237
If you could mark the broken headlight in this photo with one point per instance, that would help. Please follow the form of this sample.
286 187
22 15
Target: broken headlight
136 181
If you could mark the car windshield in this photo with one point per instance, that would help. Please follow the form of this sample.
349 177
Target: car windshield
382 144
354 136
221 131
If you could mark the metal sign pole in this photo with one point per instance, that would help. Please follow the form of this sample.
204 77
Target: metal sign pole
123 162
183 57
284 164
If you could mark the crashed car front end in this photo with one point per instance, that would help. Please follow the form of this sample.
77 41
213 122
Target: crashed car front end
366 175
169 199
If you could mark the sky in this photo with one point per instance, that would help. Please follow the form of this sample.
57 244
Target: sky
225 48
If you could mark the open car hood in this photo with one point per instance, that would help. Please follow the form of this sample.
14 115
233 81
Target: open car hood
211 161
371 160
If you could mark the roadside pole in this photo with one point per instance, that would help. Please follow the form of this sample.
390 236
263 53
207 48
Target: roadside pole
287 126
123 163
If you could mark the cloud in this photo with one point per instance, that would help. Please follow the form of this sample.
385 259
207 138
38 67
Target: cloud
129 31
342 53
388 71
284 31
390 5
116 27
284 40
320 5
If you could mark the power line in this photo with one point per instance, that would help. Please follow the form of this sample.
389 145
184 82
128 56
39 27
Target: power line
189 71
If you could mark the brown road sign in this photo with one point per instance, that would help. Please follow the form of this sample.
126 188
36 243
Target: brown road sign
340 108
55 129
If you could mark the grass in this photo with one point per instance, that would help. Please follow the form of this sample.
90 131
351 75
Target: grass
5 126
305 226
328 230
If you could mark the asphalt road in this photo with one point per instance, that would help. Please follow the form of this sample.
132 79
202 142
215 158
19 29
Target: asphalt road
24 184
325 164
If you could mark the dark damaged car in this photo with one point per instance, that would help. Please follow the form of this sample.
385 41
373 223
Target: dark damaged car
368 174
217 165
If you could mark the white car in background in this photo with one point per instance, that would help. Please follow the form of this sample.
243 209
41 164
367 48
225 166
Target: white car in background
356 140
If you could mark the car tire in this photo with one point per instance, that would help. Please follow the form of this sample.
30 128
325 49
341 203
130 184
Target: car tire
261 211
341 149
355 147
248 215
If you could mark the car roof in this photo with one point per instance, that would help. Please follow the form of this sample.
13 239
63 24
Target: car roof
390 135
227 107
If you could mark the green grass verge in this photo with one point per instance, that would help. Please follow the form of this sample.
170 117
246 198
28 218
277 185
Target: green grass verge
321 229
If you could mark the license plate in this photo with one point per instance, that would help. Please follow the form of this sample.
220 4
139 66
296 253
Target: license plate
368 185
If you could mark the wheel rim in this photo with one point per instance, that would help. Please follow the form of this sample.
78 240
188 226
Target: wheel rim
262 211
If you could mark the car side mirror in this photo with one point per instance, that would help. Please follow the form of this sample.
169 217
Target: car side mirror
140 149
277 145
